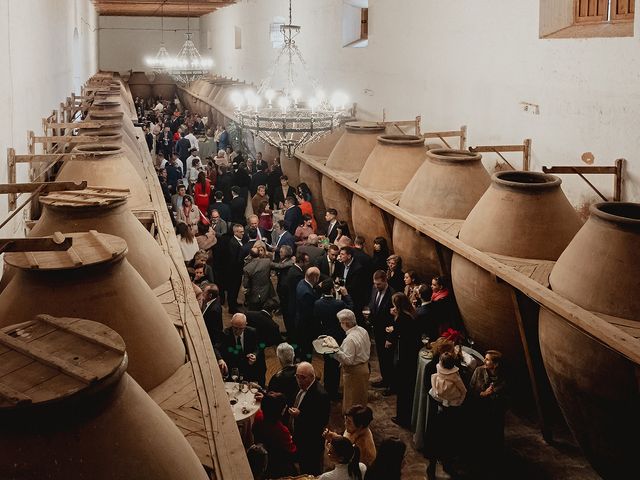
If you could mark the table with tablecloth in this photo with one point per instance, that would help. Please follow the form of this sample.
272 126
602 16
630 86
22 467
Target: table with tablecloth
244 410
420 411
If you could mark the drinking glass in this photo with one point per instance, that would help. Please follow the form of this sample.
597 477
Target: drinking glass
235 373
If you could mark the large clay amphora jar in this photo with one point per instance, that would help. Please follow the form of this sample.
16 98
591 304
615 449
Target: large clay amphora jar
106 211
291 168
115 116
523 215
94 280
131 149
596 387
269 152
448 185
74 413
139 85
163 86
106 166
347 158
391 165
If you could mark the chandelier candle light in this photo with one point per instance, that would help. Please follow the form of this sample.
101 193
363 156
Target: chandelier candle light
281 117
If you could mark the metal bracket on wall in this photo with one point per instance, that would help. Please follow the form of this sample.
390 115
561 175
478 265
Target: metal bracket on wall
615 170
525 148
462 133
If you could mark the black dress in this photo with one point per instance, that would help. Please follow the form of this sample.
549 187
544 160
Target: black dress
407 347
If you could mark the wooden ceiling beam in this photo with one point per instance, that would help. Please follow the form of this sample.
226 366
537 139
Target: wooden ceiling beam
155 8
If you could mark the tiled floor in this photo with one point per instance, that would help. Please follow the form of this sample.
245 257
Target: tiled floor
527 456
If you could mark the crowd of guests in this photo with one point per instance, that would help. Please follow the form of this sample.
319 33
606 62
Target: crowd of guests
253 242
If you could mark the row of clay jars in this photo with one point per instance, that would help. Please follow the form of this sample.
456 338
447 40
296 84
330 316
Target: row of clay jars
347 158
391 165
107 429
106 166
448 185
524 215
318 151
596 387
162 86
108 290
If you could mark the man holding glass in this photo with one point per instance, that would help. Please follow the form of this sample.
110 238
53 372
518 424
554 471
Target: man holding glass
240 348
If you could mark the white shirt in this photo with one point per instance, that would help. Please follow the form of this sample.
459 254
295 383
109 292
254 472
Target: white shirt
341 472
355 348
192 140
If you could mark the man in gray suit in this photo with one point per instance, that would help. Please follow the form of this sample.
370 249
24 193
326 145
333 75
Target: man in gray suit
259 291
312 249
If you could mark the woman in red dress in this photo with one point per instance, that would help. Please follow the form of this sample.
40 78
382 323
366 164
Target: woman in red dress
303 195
202 192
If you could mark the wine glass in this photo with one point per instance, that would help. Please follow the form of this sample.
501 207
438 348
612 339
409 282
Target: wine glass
235 373
425 341
244 387
253 388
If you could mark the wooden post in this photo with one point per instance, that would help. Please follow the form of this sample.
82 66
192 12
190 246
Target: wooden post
463 137
617 186
11 176
526 155
521 313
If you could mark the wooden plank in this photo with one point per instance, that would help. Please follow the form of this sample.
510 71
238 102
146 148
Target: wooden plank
494 148
46 187
588 170
40 355
34 244
11 396
68 325
582 319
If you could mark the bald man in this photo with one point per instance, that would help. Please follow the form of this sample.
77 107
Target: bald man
310 415
240 348
307 327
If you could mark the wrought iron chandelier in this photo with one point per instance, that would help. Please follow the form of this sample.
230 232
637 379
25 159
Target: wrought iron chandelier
185 67
281 117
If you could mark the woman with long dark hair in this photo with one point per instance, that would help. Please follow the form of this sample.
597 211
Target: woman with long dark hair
380 254
404 338
187 241
395 275
388 462
347 458
202 192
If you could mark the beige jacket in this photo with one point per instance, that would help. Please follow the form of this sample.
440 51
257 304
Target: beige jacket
447 387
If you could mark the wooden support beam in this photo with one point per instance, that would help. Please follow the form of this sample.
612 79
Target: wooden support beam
462 134
525 148
442 260
44 187
67 139
581 171
523 314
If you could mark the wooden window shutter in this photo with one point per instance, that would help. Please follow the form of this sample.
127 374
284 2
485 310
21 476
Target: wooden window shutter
622 9
590 11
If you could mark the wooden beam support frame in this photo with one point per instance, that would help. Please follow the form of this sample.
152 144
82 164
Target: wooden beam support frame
615 170
462 134
525 148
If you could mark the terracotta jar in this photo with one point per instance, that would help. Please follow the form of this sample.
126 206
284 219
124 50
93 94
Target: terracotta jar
523 215
291 168
113 116
269 152
130 148
107 166
448 185
347 158
93 279
139 85
83 416
81 211
597 388
163 86
391 165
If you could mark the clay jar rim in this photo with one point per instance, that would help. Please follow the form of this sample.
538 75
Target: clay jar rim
108 135
401 140
99 149
364 127
107 203
525 182
105 114
450 155
624 215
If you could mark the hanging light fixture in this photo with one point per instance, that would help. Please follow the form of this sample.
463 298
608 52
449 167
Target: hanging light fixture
160 62
188 65
280 115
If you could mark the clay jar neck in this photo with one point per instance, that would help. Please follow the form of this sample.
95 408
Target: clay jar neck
620 215
453 157
68 212
533 183
105 115
99 151
65 413
364 128
106 136
401 141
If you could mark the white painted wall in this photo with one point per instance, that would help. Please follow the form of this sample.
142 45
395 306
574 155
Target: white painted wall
126 41
464 62
47 50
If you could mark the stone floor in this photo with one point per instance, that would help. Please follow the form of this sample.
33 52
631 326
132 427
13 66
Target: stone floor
527 455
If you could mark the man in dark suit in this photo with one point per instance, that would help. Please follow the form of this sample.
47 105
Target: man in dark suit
283 238
259 178
424 315
325 311
261 234
183 148
225 182
310 414
212 312
287 291
356 280
284 381
307 326
235 265
238 206
257 282
273 182
329 265
239 347
292 215
361 256
219 205
282 191
268 330
380 317
250 237
333 225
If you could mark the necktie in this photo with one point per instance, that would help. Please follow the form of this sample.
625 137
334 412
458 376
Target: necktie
378 298
296 404
331 267
238 343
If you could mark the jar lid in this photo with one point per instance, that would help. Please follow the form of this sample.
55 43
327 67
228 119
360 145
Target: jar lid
56 358
88 248
90 197
365 127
